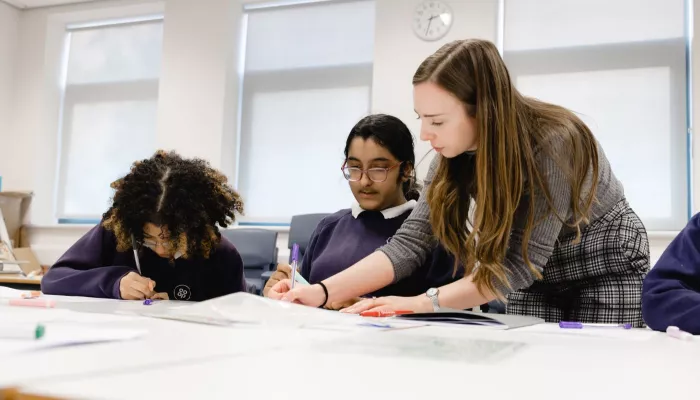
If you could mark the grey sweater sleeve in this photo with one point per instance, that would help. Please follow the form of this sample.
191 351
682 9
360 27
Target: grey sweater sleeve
413 242
410 246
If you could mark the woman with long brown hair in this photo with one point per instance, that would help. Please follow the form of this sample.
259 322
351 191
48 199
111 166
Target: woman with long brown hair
551 231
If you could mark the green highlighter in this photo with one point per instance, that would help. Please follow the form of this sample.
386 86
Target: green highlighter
39 331
23 332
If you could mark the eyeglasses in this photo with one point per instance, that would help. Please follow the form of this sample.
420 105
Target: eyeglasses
354 174
152 244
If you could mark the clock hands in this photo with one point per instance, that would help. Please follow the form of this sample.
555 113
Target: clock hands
430 20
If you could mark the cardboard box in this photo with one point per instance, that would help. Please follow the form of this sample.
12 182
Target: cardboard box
15 207
26 262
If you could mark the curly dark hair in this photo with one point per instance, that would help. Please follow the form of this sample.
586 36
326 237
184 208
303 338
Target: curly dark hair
186 196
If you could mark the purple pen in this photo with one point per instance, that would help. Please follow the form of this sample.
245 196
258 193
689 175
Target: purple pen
295 262
581 325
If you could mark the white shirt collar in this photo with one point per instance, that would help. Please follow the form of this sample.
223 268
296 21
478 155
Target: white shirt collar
388 213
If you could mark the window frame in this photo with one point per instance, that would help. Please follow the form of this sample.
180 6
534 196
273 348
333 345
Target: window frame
70 96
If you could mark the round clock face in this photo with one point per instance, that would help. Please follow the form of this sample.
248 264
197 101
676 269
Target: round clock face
432 20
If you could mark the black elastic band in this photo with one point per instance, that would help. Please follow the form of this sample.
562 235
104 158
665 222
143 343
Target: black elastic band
325 290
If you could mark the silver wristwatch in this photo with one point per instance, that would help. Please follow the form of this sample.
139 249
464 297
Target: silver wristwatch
432 294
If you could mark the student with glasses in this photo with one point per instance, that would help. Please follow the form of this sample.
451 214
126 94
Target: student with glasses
159 239
380 168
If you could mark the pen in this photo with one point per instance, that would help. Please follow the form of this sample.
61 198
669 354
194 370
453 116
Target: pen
22 332
300 279
675 332
136 255
581 325
42 303
385 313
295 263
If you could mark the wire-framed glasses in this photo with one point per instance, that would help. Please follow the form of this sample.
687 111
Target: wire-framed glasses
152 244
354 174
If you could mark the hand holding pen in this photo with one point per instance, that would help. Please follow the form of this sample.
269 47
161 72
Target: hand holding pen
283 272
295 264
136 287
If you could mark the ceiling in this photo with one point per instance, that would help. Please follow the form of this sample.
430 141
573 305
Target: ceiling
24 4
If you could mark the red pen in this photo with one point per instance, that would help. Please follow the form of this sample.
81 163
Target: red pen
385 313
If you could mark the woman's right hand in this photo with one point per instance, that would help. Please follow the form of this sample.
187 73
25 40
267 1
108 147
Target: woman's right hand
283 272
308 295
133 286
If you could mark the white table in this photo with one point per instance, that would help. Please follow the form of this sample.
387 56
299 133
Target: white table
167 343
198 361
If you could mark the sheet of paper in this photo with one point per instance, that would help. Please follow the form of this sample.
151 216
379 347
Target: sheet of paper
10 267
248 309
454 349
9 293
603 333
121 307
16 314
66 334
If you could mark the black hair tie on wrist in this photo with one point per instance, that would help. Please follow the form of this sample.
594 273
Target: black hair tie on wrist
325 290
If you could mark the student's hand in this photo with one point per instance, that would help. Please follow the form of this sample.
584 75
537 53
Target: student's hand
308 295
339 305
135 287
160 296
391 303
283 272
279 289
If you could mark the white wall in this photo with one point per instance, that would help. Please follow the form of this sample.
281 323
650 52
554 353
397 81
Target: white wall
198 83
398 52
9 26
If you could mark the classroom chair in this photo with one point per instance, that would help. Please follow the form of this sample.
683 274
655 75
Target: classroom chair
258 249
300 230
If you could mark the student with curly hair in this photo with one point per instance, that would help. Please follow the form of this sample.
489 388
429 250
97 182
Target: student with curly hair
159 239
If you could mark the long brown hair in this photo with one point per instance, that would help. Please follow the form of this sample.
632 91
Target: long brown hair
514 133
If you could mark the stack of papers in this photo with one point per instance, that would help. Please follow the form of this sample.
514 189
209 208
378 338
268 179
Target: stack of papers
61 327
469 318
247 309
58 335
428 347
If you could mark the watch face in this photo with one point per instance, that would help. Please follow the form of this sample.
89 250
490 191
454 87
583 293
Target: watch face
432 292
